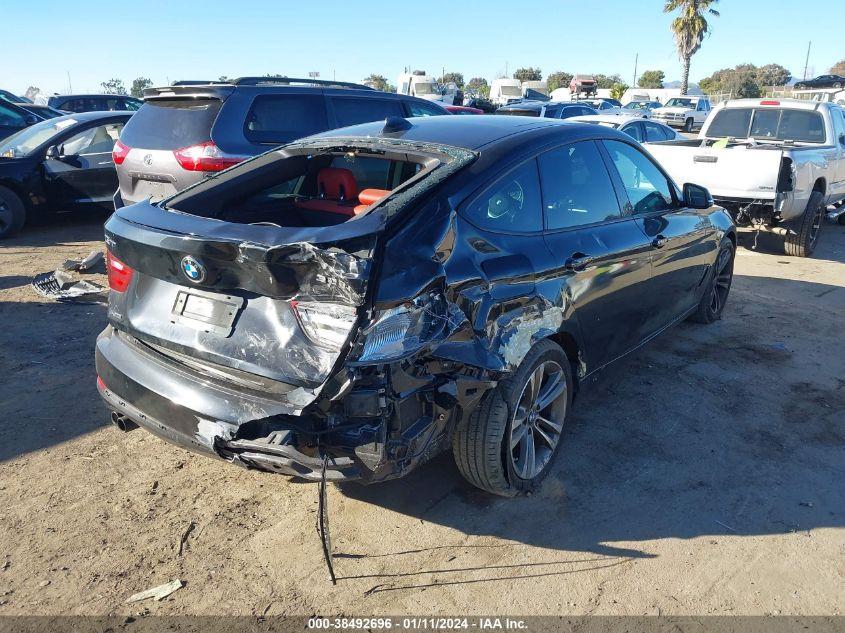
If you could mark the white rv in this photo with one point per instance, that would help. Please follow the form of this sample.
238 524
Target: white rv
504 90
418 84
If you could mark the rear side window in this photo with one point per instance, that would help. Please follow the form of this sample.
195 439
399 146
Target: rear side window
647 188
417 108
283 118
511 204
171 124
633 130
576 187
655 132
354 110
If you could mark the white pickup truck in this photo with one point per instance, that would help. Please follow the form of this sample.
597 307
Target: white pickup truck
774 164
687 113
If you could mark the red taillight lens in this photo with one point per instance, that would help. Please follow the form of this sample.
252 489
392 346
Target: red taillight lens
119 273
100 384
120 152
770 102
205 157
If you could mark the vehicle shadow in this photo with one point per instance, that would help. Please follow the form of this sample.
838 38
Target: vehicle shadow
831 245
64 228
48 393
13 281
710 431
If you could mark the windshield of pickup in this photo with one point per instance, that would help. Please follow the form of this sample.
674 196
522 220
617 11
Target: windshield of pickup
677 102
805 126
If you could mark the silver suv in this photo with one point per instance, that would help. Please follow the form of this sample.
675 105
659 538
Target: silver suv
186 132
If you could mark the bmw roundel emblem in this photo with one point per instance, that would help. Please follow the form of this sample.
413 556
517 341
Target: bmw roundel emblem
193 270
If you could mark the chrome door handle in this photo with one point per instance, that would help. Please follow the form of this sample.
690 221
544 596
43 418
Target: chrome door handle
578 261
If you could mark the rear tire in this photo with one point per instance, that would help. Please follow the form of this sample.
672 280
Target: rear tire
529 407
12 213
801 238
715 296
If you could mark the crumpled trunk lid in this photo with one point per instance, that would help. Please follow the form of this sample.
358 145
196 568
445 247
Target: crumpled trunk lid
225 294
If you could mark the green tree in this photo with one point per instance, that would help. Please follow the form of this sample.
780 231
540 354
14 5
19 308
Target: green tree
617 91
223 79
740 81
32 92
652 79
379 82
838 68
559 79
457 78
113 87
772 75
689 27
139 85
607 81
479 86
528 74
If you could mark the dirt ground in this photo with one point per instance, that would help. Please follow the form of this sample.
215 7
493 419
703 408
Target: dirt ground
703 475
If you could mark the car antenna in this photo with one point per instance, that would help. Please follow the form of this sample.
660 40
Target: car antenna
395 124
323 520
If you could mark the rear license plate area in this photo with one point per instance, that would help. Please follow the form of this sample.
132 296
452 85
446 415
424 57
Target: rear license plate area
206 311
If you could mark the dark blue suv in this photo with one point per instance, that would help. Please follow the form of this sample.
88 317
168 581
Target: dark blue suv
184 132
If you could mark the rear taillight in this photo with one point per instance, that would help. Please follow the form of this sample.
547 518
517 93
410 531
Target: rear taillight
119 273
326 324
786 175
120 152
205 157
769 102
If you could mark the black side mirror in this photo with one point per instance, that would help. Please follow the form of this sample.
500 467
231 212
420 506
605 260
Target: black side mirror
53 152
697 197
842 139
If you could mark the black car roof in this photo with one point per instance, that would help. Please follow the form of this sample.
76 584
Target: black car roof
539 105
471 133
92 96
84 117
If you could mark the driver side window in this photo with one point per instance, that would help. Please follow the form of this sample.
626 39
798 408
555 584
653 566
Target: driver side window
647 188
511 204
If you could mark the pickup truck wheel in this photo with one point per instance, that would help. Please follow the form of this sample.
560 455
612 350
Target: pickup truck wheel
12 213
508 444
802 236
688 125
719 286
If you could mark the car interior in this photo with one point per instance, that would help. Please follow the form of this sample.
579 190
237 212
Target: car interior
316 190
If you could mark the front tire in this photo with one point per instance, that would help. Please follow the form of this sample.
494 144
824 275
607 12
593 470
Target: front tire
713 300
12 213
801 238
508 444
688 125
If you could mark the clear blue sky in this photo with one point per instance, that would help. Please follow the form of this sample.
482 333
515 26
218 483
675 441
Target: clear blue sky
94 40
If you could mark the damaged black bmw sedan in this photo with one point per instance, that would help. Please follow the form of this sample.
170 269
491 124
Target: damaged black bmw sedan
351 304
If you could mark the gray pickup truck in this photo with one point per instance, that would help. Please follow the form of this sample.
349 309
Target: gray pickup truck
773 164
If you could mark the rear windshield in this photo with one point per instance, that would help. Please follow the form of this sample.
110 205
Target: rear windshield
806 126
171 124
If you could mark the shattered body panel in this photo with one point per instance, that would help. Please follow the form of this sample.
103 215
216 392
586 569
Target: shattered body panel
259 392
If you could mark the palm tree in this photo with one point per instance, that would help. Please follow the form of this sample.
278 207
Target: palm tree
689 28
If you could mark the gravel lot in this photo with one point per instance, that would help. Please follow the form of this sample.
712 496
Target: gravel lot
703 475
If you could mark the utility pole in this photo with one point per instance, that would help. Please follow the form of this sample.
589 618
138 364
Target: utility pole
636 60
506 68
69 88
807 61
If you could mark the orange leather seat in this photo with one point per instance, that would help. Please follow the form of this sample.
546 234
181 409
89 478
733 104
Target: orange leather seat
338 192
369 197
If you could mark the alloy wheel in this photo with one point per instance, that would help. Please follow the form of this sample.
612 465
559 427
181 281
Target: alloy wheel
5 216
721 282
538 420
815 228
